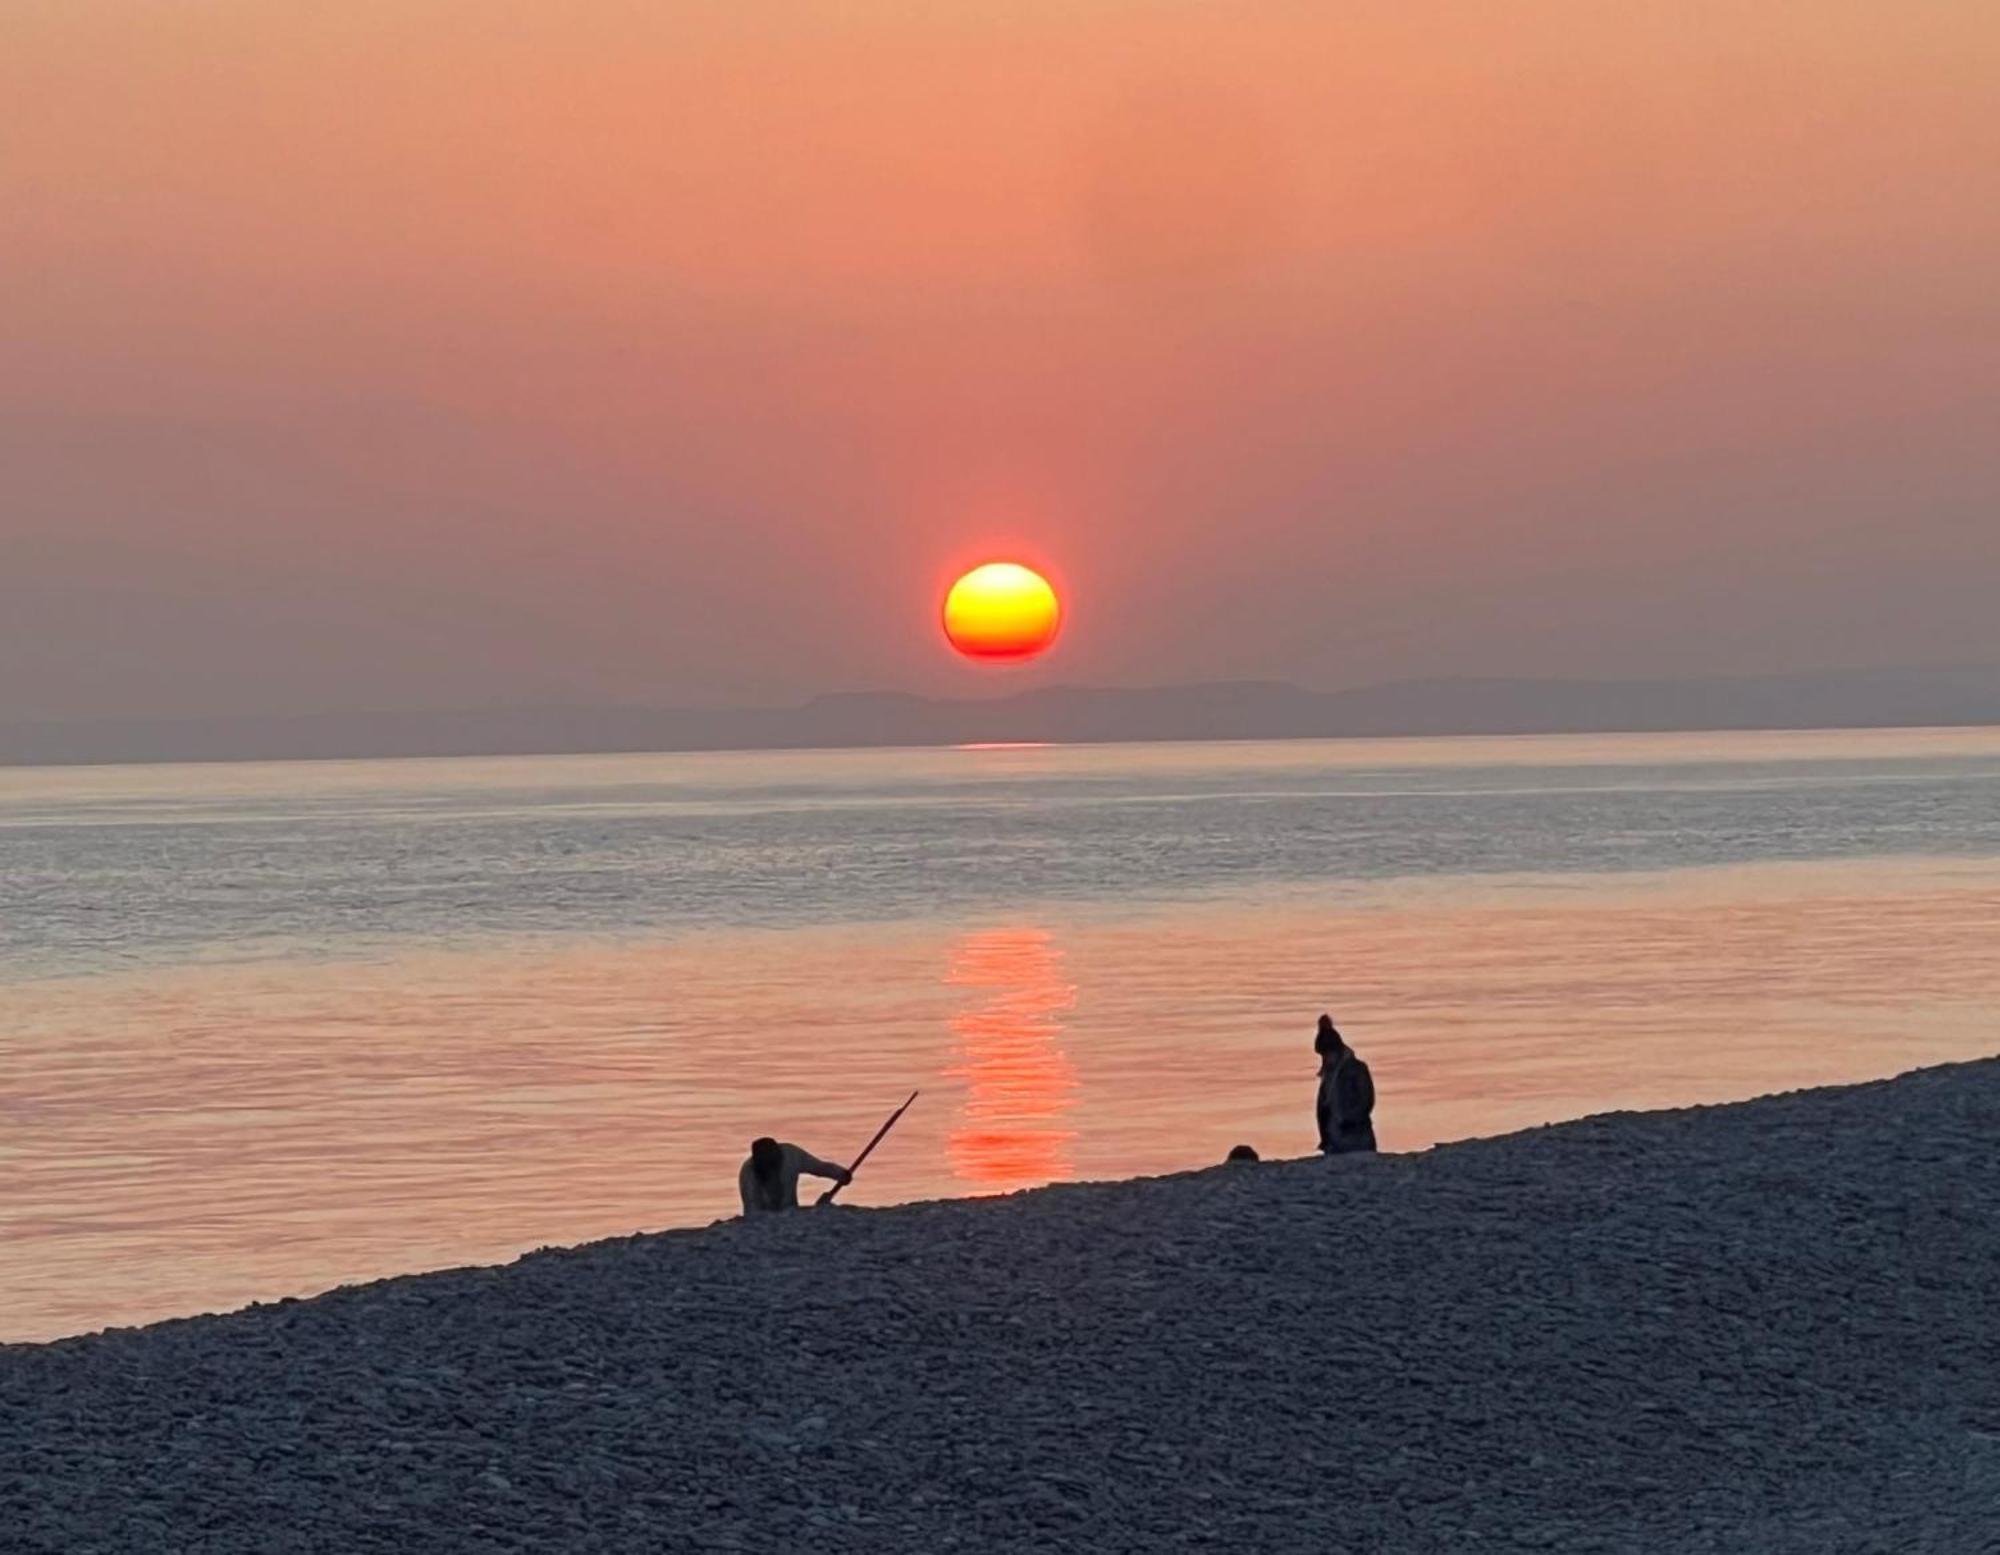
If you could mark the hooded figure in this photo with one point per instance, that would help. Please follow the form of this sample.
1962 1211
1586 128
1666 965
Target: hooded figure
1346 1105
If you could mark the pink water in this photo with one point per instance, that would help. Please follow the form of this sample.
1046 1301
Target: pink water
192 1137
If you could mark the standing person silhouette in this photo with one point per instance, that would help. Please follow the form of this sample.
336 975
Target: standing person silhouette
1346 1105
769 1180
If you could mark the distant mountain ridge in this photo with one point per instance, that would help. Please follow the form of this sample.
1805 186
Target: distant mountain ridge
1232 710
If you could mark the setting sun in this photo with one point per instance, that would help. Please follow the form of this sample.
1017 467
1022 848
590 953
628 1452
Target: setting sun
1001 611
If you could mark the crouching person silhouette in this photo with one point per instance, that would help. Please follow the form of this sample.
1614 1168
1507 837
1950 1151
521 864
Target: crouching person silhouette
769 1180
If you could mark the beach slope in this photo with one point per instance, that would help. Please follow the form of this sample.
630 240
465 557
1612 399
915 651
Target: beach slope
1772 1327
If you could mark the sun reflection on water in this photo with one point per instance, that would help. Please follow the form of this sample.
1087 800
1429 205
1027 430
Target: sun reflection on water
1019 1082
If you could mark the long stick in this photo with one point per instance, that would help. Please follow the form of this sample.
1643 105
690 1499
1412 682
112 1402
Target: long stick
827 1197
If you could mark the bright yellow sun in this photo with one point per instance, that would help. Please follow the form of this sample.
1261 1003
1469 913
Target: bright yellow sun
1001 611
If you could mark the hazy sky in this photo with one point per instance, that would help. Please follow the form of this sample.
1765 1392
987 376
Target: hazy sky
397 353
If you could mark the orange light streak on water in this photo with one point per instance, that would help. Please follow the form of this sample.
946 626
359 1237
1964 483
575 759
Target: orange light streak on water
1019 1082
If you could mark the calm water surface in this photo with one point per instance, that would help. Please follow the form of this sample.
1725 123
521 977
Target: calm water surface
268 1028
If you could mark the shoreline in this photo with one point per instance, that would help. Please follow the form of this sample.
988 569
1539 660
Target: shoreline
1751 1325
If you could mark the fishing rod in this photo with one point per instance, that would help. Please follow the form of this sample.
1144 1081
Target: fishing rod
869 1149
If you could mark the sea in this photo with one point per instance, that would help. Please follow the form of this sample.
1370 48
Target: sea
270 1028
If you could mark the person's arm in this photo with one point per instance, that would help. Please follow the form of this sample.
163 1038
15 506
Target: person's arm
746 1184
813 1166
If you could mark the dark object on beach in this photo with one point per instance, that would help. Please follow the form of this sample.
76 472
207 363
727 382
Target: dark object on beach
1346 1104
1242 1153
769 1180
866 1151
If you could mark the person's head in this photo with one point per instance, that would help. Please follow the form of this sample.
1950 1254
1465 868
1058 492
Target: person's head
1243 1153
766 1156
1327 1038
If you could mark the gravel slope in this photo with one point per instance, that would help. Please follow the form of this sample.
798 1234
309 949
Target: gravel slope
1770 1327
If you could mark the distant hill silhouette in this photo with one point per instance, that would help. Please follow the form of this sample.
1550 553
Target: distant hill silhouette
1238 710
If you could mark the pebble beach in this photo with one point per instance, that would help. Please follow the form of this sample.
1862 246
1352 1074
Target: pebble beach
1771 1326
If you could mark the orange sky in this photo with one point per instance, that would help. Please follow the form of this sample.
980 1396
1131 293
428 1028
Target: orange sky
424 352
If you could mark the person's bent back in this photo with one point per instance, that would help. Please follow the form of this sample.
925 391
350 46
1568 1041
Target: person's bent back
769 1180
